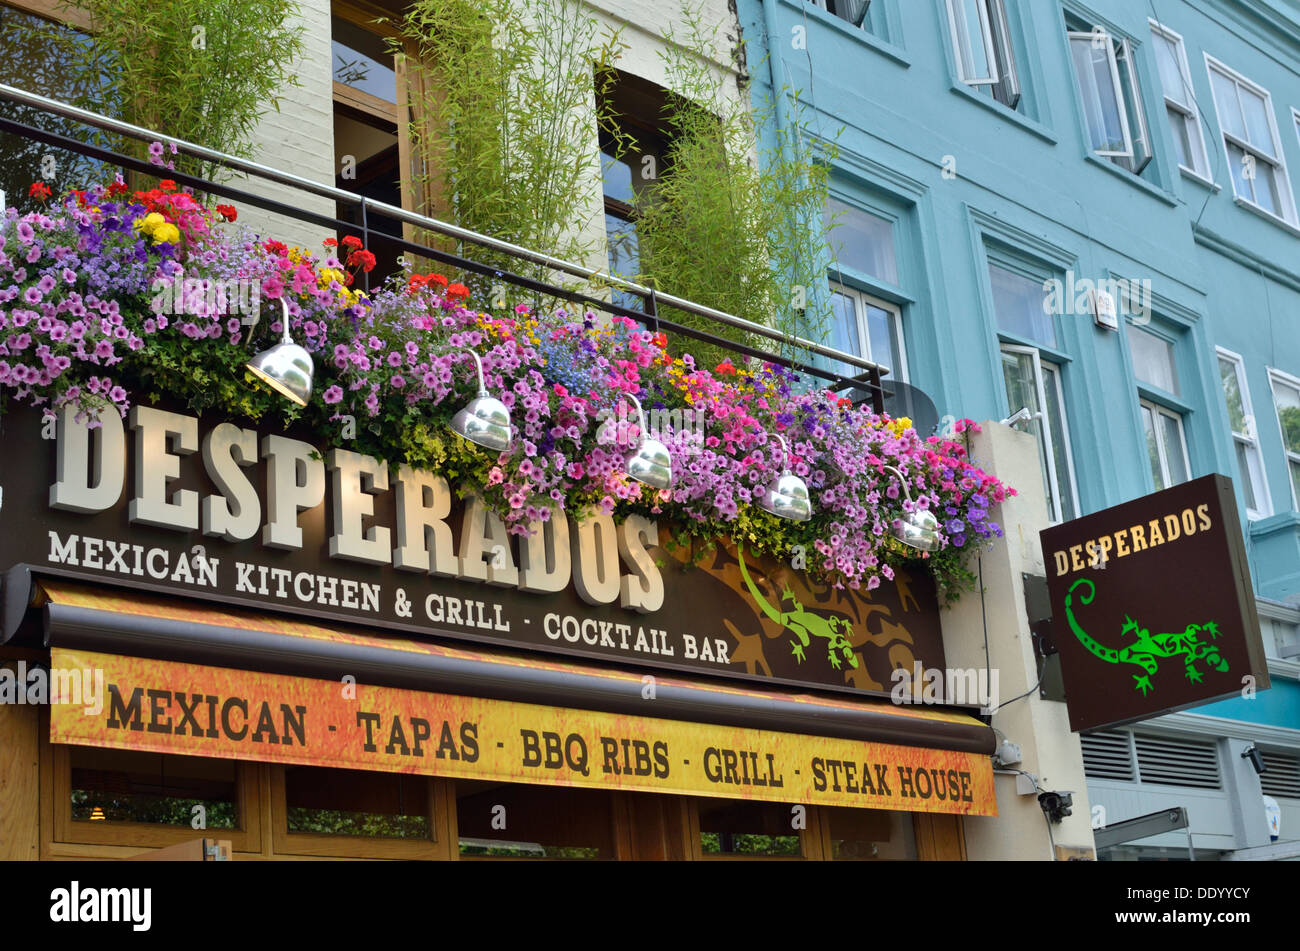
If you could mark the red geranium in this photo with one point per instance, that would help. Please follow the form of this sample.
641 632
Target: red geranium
458 290
362 259
227 212
167 185
351 241
39 190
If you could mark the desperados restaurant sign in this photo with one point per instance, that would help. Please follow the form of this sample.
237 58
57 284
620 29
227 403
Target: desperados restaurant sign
211 509
1152 605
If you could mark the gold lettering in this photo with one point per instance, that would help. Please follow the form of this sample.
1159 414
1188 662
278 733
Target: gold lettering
1139 538
1203 510
1062 563
1172 528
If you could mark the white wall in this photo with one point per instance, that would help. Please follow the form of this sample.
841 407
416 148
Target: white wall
1040 727
299 138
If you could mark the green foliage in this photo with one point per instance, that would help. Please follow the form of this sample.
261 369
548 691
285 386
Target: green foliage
503 92
370 824
203 73
720 229
159 810
1290 419
32 58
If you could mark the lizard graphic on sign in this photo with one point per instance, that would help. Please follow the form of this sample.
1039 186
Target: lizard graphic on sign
1148 648
805 624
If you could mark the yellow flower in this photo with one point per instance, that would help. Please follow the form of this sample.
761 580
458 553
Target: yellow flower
166 233
149 222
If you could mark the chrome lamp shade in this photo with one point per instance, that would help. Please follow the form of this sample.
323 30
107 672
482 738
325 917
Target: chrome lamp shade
787 497
485 420
286 368
919 530
649 461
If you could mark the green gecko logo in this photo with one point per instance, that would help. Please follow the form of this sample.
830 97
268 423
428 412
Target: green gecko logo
804 624
1147 648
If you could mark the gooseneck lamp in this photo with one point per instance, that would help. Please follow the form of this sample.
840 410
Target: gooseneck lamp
485 420
787 496
649 461
919 530
286 368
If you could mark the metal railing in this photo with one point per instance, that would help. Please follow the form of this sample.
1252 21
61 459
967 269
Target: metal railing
868 383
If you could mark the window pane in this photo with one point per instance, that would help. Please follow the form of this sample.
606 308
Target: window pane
1101 108
1225 96
1232 395
1019 304
1295 478
1171 76
1242 184
1178 132
1153 359
970 41
617 177
882 331
1266 187
624 257
362 61
1175 458
1287 399
1022 392
325 801
1245 473
862 241
130 786
844 329
737 827
551 822
1256 109
870 834
1153 449
1132 105
1060 448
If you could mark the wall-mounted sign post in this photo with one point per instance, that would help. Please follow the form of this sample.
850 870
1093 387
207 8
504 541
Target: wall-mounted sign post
1152 606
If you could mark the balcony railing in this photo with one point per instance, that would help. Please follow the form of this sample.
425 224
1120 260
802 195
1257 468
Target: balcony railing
372 213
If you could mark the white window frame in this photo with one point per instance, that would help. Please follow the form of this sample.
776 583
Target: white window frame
1054 510
1285 193
1276 377
1250 438
1189 110
961 40
1157 410
860 300
995 37
1132 134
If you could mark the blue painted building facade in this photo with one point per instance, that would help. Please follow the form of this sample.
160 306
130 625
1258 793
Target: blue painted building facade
1134 164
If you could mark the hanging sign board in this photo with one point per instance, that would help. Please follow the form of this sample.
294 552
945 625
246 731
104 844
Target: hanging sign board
1152 606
